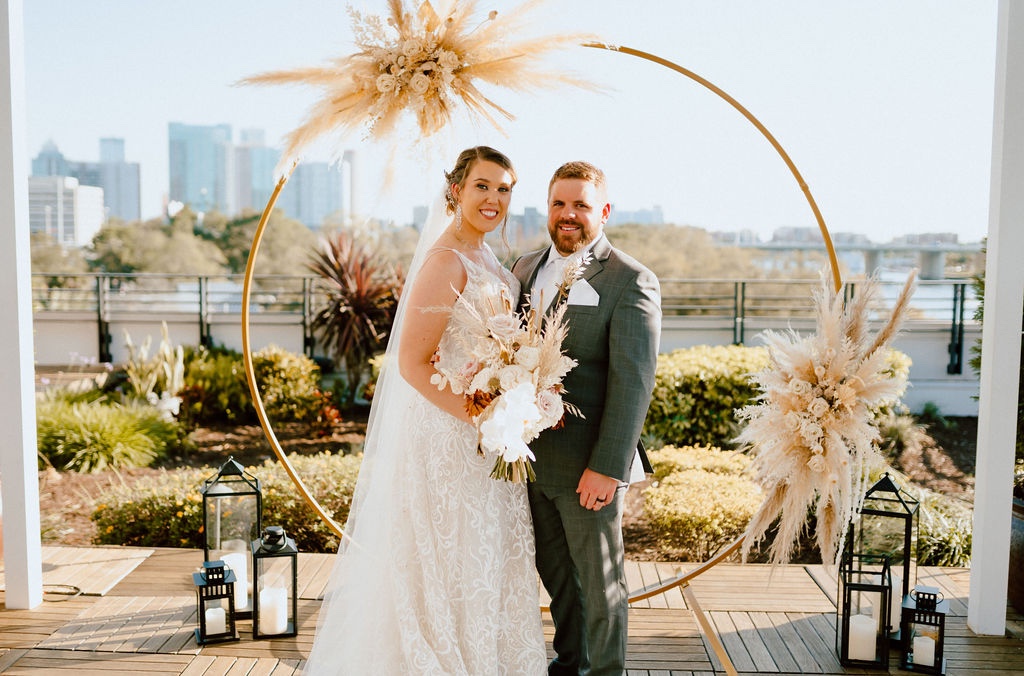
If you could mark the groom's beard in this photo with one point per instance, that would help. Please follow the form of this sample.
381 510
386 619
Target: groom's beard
569 242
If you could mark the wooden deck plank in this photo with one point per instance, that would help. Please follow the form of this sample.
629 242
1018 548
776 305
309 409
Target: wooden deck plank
798 650
673 598
730 637
635 580
649 576
155 624
754 642
314 574
93 570
37 660
774 643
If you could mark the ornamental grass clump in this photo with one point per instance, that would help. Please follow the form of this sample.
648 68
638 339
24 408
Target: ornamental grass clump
694 512
166 510
698 389
97 435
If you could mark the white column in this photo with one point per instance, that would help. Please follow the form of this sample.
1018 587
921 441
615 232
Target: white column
1001 334
18 471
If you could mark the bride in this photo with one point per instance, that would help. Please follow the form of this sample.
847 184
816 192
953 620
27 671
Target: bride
436 574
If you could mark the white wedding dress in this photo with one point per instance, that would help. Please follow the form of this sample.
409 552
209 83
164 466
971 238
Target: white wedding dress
439 577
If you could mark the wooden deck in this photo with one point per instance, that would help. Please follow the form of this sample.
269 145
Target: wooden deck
136 614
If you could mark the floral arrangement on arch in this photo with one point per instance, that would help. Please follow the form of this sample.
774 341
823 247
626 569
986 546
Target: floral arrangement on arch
513 381
812 432
421 61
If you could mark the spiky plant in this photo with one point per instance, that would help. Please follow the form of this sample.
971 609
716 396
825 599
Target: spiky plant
362 293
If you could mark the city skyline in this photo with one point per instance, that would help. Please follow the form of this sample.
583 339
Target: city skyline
886 109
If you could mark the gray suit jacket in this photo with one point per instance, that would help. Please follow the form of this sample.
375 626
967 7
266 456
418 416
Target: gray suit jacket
616 345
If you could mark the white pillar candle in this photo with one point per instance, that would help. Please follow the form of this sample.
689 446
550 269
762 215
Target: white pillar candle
897 602
861 641
239 562
216 620
924 651
273 610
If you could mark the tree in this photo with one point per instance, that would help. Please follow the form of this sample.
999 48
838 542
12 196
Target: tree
284 248
362 296
155 246
49 256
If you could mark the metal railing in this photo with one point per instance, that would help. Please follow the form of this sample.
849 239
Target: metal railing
736 303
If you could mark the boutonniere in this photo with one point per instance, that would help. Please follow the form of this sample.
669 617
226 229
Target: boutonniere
574 268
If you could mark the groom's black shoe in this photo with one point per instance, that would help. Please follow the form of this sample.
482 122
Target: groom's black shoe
556 668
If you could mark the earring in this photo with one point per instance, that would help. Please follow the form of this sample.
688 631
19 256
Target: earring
458 217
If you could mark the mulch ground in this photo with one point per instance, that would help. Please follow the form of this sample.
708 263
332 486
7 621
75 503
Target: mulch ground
945 463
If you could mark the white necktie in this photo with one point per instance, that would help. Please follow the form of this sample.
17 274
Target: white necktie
548 280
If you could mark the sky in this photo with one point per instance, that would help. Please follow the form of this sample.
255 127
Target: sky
885 108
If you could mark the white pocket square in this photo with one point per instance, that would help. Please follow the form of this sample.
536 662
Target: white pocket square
581 293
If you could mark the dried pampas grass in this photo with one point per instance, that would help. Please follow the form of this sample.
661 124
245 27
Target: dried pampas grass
425 63
812 432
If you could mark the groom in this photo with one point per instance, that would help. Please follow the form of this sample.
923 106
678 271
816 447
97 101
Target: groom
583 469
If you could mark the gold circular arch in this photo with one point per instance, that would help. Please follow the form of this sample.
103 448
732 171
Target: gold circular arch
250 376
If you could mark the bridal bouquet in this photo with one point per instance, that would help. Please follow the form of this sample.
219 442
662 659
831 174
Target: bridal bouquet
512 380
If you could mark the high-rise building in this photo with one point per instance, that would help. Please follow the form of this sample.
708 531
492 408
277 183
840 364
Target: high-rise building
254 170
201 162
119 180
313 193
62 208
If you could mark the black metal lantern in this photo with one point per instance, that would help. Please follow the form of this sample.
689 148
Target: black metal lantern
215 603
232 517
923 626
887 526
865 595
275 566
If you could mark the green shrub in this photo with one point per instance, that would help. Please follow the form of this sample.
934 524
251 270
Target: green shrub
166 510
696 391
696 512
289 384
216 390
671 459
92 436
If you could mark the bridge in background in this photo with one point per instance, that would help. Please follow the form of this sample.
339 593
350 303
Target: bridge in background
931 257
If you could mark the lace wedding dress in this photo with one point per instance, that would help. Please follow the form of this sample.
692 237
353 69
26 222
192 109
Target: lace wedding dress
439 576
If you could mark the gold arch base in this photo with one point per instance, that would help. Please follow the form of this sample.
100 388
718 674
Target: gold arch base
638 595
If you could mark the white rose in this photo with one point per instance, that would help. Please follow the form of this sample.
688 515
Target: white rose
551 407
528 357
448 60
419 84
799 387
386 83
818 407
513 376
503 326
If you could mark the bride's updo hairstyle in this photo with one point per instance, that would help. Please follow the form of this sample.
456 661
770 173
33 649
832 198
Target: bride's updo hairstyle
457 176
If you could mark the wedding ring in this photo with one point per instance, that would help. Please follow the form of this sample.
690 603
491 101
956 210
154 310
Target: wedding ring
598 499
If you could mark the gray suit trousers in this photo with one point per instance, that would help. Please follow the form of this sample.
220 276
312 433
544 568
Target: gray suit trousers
589 593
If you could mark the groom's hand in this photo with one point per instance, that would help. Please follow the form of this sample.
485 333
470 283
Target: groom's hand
596 490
